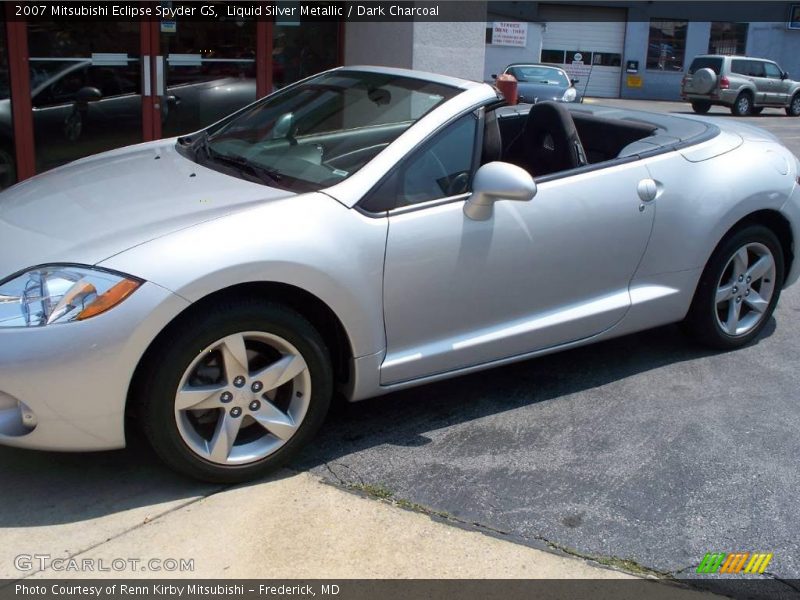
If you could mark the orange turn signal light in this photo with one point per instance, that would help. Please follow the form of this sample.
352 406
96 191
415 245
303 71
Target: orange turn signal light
110 298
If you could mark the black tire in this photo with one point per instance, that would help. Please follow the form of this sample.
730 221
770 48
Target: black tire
701 107
158 383
756 110
742 105
793 110
701 322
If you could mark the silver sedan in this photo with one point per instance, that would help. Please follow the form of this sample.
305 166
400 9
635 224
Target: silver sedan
363 231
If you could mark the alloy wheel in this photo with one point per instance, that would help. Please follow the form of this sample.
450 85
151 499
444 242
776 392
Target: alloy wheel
743 104
745 289
242 398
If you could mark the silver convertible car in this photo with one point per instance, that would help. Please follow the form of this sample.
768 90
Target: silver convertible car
363 231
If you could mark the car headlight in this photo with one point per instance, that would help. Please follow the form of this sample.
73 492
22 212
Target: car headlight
570 95
61 294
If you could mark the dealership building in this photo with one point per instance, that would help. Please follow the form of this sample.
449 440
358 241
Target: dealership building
636 51
70 88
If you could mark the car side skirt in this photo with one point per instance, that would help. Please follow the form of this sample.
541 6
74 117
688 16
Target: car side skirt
655 301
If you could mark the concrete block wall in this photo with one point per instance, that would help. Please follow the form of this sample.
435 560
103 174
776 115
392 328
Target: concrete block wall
456 49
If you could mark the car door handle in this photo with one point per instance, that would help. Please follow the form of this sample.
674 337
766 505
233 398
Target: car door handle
647 190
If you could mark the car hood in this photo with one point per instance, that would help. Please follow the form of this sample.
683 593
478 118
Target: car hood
94 208
540 92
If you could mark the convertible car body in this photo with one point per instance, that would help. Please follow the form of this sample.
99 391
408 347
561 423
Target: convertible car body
367 229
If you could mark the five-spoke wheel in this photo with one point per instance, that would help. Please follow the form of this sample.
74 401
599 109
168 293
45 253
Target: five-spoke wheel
745 289
242 398
739 288
237 392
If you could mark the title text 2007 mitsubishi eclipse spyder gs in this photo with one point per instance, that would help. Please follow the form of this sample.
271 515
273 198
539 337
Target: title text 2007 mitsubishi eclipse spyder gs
367 229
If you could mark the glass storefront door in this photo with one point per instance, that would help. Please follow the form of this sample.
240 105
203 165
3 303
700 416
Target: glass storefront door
86 89
8 171
210 71
95 86
302 49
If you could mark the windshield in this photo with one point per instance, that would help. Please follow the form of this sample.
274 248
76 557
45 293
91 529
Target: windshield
535 74
320 132
705 63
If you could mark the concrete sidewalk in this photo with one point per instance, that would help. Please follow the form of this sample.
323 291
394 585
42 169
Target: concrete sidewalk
292 526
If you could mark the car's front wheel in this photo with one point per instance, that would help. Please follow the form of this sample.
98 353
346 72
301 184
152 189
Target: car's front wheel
793 110
742 105
701 107
235 392
738 289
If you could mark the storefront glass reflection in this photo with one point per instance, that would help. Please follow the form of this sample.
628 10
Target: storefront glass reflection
85 89
210 71
302 49
8 170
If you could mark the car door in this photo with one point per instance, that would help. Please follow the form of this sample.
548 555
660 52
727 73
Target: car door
759 78
778 90
119 109
537 274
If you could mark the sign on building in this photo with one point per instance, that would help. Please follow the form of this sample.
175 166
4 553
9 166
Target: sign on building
509 33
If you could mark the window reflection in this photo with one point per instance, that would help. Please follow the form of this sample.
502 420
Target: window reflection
8 163
85 89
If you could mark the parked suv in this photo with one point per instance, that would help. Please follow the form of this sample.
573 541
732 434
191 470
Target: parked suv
746 85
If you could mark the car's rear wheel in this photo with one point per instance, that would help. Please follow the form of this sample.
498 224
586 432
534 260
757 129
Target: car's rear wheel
738 289
756 110
793 110
237 392
701 107
743 104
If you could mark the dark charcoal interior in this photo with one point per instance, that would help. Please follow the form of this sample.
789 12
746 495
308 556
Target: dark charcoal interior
551 138
603 139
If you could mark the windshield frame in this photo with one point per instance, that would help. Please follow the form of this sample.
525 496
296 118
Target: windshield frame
392 92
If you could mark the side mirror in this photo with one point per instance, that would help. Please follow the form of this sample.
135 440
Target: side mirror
88 94
784 75
494 75
574 81
284 126
497 181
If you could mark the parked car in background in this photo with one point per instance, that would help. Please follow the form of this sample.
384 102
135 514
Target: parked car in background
538 83
367 230
744 84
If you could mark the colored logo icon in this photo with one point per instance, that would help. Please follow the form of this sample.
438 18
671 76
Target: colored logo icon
736 562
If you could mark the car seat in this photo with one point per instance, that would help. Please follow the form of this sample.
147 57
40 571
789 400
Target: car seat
549 141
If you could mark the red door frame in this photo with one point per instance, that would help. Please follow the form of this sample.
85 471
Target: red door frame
20 84
149 49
